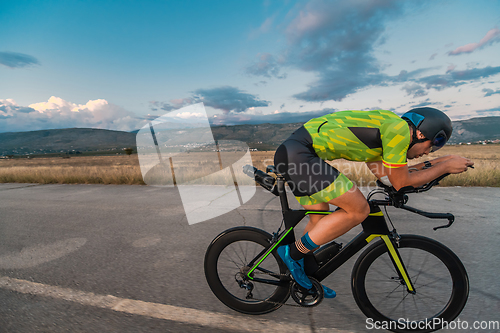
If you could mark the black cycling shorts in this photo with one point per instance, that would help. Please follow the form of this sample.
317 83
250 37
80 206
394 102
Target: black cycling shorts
310 178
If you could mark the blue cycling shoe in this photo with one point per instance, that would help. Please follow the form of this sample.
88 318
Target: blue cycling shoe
296 267
328 293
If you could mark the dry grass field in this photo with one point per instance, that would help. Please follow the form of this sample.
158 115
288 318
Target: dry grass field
119 169
124 169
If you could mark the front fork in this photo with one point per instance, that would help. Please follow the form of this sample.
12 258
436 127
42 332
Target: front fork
392 243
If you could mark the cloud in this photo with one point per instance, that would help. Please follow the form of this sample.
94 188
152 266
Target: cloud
344 82
414 89
265 27
336 85
451 68
266 66
475 73
334 39
228 99
427 102
489 112
260 83
149 117
490 92
17 60
189 115
491 37
58 113
9 107
456 78
405 76
173 105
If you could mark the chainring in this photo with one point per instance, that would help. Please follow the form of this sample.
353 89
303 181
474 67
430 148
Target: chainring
307 298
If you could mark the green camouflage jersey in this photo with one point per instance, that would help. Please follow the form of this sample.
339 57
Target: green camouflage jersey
361 136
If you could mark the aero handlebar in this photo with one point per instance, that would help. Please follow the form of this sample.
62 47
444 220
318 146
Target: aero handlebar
265 180
399 199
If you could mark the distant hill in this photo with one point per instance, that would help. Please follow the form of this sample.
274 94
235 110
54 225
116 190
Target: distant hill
64 141
261 136
476 129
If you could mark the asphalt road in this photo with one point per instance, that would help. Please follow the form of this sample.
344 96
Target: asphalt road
92 258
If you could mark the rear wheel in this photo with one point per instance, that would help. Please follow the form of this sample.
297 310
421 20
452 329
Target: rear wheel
227 264
439 277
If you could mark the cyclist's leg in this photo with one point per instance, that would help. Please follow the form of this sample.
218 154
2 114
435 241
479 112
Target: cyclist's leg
314 218
322 229
292 160
353 210
313 223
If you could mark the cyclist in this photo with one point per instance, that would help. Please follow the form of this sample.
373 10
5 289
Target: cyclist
380 138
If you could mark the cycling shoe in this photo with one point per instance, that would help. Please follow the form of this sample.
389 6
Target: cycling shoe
328 293
295 267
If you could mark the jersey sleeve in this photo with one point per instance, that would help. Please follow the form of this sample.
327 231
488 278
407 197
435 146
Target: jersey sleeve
395 137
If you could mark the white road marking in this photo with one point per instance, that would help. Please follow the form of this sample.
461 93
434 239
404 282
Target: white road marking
156 310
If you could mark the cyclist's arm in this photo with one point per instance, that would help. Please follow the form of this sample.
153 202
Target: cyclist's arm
433 162
378 169
401 177
396 176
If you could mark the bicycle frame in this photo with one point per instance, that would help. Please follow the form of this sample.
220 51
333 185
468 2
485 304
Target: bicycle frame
374 226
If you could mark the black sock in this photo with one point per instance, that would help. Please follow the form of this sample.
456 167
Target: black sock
302 247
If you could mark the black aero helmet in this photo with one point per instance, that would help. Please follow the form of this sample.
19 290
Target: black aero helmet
435 125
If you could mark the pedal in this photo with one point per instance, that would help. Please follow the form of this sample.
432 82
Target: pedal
305 297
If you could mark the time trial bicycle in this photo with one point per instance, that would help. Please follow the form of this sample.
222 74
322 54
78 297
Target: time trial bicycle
397 276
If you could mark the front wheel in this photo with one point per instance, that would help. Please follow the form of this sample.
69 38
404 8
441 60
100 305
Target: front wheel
439 277
227 264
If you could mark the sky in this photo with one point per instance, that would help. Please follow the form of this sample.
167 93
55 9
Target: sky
119 64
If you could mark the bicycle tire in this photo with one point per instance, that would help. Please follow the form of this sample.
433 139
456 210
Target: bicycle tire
439 277
229 254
